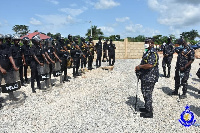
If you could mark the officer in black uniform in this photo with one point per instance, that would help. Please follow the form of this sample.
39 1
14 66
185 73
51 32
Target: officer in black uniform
84 48
111 53
26 50
90 53
63 55
98 48
38 57
50 53
168 52
183 65
2 71
18 56
149 75
7 65
105 50
76 53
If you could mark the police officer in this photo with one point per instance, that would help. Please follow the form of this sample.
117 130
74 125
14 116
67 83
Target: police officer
2 71
76 54
90 53
26 50
149 76
63 55
7 62
37 61
18 56
50 53
111 53
98 48
84 48
183 65
105 50
168 52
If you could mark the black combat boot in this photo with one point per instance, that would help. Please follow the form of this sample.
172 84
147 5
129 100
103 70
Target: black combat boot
183 96
175 92
199 92
33 90
66 78
148 114
143 110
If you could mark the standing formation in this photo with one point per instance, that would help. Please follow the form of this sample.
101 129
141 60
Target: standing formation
46 58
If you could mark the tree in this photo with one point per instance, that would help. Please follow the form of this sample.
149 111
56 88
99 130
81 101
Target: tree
140 38
190 36
21 29
96 33
50 34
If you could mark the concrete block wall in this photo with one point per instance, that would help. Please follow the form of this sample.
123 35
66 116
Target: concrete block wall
127 50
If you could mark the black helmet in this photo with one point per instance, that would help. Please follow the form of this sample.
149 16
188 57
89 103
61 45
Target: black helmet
16 37
26 40
8 36
83 39
90 39
1 37
36 39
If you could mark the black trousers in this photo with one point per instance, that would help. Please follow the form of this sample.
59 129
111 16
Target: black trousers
83 61
34 75
64 66
76 64
90 60
98 60
113 60
21 74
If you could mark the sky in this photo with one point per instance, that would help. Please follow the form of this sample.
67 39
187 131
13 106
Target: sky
127 18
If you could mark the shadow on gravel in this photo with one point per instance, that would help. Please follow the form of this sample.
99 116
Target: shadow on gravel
195 95
193 88
195 110
166 90
13 104
195 79
131 102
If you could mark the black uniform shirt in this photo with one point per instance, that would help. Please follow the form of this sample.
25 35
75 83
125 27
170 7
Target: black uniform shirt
4 57
37 51
168 49
105 46
16 53
111 49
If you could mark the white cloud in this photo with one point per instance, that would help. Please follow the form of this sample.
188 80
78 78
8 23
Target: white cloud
138 29
73 12
107 30
106 4
177 13
57 19
33 21
54 2
122 19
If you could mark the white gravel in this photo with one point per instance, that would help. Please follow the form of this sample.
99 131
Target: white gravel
101 101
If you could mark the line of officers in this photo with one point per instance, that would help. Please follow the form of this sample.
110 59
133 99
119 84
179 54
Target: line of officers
52 56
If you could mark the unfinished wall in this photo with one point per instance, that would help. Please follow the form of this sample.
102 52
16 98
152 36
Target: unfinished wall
127 50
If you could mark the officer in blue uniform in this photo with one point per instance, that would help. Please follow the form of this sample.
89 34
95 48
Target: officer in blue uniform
98 48
149 76
26 49
183 66
168 52
7 64
18 56
111 53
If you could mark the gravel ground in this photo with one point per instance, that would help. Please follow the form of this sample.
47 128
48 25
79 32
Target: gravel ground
101 101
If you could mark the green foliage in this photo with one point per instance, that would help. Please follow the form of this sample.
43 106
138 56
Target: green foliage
96 33
21 29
